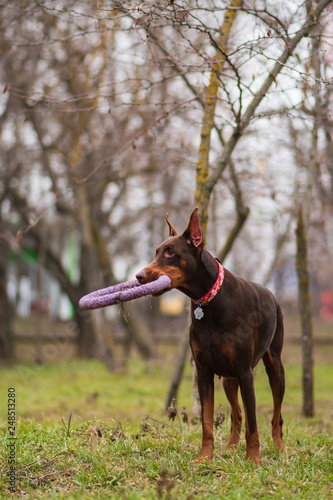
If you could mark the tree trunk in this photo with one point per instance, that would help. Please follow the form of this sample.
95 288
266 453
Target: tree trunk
179 369
6 343
137 332
87 344
202 194
305 314
202 197
38 355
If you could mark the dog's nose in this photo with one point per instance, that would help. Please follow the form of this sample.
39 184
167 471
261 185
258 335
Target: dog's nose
141 276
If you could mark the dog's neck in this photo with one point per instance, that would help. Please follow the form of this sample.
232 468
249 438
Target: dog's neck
210 264
205 277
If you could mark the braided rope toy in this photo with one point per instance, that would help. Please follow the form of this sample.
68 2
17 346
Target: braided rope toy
123 292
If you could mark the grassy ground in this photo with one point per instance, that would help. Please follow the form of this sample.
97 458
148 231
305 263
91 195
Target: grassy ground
82 432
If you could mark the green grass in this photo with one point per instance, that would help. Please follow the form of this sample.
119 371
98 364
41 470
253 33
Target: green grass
84 433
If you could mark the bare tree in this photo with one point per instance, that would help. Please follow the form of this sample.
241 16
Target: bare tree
312 160
102 103
206 180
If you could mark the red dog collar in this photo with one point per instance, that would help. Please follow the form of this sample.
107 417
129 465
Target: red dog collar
213 291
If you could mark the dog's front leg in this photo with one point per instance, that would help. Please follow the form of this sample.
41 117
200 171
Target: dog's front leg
206 392
246 383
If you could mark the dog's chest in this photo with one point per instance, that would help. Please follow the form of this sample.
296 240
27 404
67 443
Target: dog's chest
212 351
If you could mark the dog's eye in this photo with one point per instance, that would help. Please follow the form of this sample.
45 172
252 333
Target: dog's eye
169 253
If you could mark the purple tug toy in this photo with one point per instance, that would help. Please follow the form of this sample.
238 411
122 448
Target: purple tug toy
123 292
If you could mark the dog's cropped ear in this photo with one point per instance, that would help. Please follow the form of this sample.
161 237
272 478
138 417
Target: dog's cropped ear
172 231
193 233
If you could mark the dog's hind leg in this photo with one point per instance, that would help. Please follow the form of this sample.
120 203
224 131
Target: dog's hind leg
275 372
230 386
246 384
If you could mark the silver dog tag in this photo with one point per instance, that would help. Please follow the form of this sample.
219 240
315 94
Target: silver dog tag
198 313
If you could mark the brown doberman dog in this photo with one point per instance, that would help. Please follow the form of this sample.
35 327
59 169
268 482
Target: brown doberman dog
235 323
